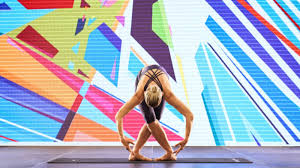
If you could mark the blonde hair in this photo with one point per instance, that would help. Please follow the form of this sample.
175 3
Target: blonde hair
153 95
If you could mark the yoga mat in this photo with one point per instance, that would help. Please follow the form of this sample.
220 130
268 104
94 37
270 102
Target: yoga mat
125 160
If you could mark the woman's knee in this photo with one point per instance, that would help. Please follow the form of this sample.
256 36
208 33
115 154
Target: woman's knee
152 124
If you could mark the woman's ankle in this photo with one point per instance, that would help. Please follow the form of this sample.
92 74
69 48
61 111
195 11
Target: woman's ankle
169 151
135 151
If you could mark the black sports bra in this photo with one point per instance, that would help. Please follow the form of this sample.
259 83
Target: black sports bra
154 76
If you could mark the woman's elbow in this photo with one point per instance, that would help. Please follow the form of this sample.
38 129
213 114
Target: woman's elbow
118 117
190 116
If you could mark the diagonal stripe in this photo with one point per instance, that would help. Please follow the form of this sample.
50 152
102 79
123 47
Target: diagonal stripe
286 13
244 33
182 78
289 108
279 22
251 96
8 138
30 130
269 26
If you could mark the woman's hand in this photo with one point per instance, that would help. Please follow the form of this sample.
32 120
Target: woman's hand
182 145
126 142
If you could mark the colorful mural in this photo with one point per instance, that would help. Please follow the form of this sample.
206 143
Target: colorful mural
66 67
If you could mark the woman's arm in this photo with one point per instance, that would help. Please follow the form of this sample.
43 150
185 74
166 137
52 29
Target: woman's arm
182 108
128 106
136 99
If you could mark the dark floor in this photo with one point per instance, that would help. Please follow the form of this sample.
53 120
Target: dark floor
262 157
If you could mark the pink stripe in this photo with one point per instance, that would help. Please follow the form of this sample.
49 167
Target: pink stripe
132 122
113 72
13 44
8 138
71 80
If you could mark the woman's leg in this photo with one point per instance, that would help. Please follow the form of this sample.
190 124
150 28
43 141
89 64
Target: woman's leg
161 136
143 136
156 130
144 133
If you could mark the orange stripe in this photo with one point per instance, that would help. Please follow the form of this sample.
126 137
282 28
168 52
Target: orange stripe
269 26
22 69
91 75
120 14
135 53
91 128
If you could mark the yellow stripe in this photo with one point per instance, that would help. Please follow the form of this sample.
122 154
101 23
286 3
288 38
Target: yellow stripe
182 78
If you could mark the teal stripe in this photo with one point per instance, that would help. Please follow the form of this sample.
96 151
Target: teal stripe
296 3
289 11
19 134
237 103
280 24
27 118
211 101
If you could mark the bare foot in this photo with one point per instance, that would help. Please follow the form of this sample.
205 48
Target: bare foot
166 157
138 157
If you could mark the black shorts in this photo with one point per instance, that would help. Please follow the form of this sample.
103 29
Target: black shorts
150 114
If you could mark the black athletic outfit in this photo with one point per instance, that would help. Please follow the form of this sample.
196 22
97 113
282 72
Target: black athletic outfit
150 113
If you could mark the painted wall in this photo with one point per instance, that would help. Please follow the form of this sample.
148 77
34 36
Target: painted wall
66 67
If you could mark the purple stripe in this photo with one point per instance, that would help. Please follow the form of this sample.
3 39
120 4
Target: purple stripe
255 139
242 31
110 35
272 39
253 100
65 127
141 30
4 6
22 96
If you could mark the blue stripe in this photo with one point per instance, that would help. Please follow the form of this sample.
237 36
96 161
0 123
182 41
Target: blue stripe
211 101
280 24
289 11
257 142
296 3
290 109
16 93
249 94
27 118
19 134
238 104
243 32
274 41
169 127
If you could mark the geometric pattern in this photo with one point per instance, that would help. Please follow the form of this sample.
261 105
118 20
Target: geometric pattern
234 63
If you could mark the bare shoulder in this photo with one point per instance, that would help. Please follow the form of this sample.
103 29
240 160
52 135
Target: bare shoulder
163 78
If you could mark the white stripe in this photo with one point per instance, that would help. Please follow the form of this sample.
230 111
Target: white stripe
291 26
285 19
292 7
30 130
251 91
219 94
259 62
262 12
288 23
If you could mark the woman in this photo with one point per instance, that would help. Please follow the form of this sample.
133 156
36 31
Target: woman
152 89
